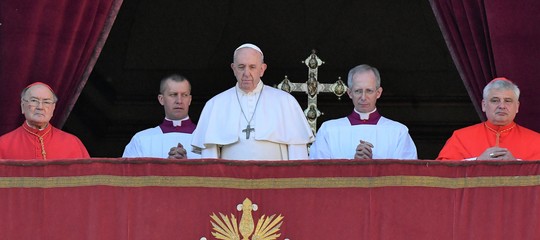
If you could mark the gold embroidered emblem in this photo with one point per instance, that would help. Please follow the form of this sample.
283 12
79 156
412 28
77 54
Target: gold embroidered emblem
228 229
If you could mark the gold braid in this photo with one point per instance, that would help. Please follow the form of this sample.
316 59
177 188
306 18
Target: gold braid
498 133
43 152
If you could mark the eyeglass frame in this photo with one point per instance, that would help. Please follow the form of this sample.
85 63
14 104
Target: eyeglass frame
34 102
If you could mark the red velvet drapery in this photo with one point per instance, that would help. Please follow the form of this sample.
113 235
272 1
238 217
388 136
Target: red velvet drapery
515 38
465 29
118 199
496 38
51 41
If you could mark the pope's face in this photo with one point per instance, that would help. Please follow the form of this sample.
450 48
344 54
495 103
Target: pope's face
248 68
500 106
38 105
175 99
364 92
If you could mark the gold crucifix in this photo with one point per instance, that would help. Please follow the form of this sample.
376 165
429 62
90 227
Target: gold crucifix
313 87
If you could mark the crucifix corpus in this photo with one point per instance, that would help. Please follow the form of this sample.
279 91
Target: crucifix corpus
312 87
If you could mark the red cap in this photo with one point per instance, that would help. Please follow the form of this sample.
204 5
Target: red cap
39 83
501 79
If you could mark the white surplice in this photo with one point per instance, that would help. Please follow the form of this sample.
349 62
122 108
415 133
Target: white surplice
338 139
153 142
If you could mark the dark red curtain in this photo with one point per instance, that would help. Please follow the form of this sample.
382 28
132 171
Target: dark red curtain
52 41
465 29
515 38
496 38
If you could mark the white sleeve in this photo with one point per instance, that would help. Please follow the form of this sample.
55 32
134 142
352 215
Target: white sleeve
133 149
406 148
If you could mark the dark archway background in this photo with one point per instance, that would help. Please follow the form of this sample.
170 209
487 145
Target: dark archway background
150 39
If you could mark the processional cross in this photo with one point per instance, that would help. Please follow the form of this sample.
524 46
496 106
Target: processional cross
313 87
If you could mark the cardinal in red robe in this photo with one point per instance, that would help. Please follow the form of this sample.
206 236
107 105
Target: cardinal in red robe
36 138
498 138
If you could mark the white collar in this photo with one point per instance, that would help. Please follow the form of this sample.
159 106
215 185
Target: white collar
257 89
365 116
177 123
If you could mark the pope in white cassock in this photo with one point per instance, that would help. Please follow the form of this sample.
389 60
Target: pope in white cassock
252 121
169 138
364 134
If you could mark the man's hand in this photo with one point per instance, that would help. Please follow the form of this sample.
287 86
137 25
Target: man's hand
496 153
178 152
363 150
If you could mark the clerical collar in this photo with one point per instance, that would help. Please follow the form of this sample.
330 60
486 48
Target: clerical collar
177 123
182 126
498 128
257 89
36 130
372 118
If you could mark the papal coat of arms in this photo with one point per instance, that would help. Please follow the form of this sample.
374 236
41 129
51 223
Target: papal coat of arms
229 229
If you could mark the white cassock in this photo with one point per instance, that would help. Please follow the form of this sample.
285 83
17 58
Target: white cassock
153 142
338 139
280 129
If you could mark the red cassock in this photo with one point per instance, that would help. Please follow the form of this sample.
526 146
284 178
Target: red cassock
471 142
50 143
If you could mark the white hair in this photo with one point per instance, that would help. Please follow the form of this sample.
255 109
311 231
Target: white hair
500 84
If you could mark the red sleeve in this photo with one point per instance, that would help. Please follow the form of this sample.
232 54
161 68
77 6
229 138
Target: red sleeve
453 149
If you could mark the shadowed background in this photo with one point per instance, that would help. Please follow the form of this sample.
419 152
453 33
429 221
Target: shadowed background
150 39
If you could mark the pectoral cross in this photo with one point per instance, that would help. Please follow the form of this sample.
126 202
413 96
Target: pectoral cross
248 130
312 87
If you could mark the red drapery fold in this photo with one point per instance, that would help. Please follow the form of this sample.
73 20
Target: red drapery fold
52 41
497 38
465 29
515 37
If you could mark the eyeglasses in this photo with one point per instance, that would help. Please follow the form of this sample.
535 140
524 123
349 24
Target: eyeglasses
35 102
368 91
